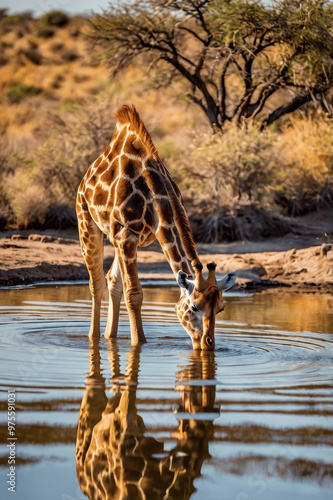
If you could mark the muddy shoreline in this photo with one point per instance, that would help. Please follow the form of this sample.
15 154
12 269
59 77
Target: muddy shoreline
300 263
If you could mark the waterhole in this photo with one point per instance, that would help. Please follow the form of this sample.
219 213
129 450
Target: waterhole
252 420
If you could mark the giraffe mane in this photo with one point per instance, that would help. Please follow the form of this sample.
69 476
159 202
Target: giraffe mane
128 114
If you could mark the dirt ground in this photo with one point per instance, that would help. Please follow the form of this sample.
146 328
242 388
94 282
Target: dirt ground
302 260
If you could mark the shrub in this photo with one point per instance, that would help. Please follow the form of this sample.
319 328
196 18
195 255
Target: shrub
81 78
306 184
6 213
60 216
70 55
78 136
57 47
167 149
57 81
14 19
31 208
18 92
228 168
45 32
54 18
248 222
32 55
49 21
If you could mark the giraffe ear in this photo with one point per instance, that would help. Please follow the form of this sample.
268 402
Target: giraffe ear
183 282
227 281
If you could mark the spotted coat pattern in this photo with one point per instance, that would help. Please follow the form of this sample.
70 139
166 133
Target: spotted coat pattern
129 195
116 458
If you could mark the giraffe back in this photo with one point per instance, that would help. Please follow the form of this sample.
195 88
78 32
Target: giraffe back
128 186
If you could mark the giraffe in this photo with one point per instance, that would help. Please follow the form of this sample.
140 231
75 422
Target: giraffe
115 455
128 195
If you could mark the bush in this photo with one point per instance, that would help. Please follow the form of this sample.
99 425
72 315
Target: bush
54 18
60 216
229 168
14 19
45 32
70 56
57 47
18 92
306 182
32 55
31 208
78 136
51 20
239 223
6 213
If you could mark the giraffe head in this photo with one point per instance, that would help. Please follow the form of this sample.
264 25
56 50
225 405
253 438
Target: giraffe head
201 299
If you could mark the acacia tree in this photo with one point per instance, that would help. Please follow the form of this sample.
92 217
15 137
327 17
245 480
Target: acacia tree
234 55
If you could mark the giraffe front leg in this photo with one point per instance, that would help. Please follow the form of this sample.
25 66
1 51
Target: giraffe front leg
115 286
126 244
91 239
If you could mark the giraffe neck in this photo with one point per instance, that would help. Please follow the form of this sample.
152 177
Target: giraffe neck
179 258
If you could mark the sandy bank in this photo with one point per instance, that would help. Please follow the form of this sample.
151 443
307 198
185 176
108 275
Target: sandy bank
300 262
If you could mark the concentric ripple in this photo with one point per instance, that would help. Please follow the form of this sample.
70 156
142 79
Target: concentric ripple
44 324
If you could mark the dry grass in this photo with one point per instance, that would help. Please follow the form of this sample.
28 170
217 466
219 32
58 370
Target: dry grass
306 146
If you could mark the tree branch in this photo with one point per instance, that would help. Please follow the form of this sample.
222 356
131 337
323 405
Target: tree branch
296 103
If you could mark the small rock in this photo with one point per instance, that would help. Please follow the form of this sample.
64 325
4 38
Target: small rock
34 237
41 238
16 237
66 241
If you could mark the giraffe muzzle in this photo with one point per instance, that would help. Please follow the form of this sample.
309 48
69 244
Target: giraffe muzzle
207 342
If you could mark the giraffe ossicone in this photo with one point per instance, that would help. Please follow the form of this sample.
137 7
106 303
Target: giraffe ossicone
129 195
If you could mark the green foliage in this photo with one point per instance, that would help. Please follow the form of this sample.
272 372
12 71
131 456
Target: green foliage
13 20
18 92
54 18
167 149
50 20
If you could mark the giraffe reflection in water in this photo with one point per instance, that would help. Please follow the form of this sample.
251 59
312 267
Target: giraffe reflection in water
115 456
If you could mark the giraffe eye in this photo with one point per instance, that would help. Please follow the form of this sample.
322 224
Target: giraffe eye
194 308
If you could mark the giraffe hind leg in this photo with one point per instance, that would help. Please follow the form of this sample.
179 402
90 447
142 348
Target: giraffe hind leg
91 239
115 286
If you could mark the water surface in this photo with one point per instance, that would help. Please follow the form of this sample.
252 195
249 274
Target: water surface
251 420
